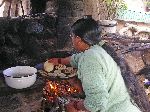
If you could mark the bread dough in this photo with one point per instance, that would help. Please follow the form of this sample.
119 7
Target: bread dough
48 67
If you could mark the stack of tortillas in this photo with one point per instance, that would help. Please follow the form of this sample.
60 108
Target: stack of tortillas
59 70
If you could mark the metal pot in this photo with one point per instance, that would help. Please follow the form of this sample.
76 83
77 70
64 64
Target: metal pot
20 77
108 26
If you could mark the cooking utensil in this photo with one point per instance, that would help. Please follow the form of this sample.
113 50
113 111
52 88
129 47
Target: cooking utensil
20 77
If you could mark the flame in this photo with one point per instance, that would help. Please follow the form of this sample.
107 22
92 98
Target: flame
69 89
53 89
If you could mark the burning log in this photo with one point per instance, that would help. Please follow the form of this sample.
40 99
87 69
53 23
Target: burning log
56 92
54 89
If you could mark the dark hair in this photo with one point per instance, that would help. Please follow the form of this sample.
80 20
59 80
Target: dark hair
135 90
87 29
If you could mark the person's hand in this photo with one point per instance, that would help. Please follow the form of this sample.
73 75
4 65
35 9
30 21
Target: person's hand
39 66
55 61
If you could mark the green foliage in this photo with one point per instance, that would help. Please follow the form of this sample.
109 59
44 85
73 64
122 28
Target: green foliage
147 3
113 5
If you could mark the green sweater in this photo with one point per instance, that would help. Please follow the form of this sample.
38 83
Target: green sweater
102 82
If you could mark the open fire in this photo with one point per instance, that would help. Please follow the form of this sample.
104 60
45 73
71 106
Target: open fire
56 93
58 88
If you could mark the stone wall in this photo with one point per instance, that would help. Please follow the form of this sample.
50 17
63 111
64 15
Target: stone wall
67 11
26 41
30 40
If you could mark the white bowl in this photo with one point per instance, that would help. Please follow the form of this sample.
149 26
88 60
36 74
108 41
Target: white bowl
20 77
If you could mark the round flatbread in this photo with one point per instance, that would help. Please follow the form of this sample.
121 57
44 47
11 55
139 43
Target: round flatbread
61 71
48 67
60 67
